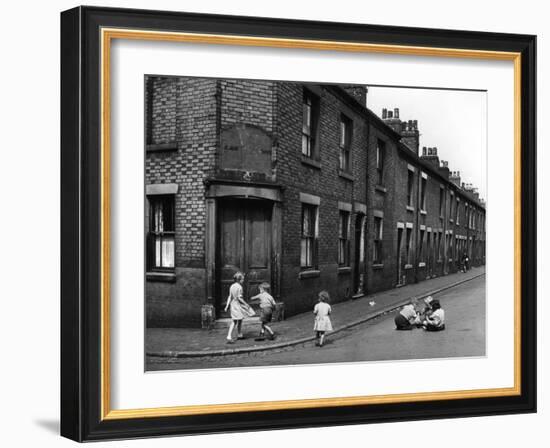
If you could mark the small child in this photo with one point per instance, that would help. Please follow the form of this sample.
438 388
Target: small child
436 320
407 317
322 311
427 310
267 304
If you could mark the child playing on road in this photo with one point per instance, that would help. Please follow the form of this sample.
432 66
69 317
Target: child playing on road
436 320
322 311
426 310
267 304
407 318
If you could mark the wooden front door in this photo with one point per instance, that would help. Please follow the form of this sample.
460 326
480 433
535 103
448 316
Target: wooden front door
244 244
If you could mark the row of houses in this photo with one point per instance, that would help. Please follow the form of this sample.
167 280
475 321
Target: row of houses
296 184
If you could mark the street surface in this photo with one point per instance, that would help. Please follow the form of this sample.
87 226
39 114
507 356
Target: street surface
376 340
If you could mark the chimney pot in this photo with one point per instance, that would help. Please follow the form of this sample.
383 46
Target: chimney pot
384 113
396 112
390 114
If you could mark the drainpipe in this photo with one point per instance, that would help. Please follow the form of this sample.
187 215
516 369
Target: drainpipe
417 225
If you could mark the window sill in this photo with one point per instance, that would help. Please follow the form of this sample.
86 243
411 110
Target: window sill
421 264
311 162
162 147
451 221
408 266
410 208
345 175
344 270
167 277
311 273
423 212
378 266
380 188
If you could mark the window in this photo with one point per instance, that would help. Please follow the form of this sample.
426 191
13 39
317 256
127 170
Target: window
440 237
380 156
377 255
457 211
423 183
343 239
451 201
309 125
410 186
345 143
161 244
408 245
441 201
308 252
421 244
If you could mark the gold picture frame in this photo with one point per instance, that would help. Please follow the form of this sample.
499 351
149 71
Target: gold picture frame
118 25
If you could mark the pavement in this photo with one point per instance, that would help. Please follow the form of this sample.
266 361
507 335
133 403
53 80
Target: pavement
298 329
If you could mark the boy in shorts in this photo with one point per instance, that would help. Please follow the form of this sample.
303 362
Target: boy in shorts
267 304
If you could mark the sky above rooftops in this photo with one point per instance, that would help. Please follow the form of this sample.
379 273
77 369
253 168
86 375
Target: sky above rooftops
454 121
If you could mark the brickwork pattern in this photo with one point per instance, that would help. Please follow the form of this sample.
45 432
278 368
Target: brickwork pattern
192 113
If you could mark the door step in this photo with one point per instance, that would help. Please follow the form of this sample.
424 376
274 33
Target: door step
226 321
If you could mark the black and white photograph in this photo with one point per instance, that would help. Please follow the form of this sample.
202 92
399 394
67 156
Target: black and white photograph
293 223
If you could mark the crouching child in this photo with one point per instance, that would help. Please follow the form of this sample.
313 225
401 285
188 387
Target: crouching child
408 317
436 320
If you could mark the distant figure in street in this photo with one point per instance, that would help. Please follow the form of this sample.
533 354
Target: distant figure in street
267 305
464 261
407 318
436 320
239 308
322 311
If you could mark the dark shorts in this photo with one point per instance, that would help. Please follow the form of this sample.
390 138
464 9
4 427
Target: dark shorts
432 327
265 315
402 323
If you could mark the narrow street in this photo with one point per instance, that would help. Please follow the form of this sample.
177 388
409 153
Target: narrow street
376 340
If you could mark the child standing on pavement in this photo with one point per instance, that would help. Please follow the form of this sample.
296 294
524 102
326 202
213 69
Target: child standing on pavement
322 311
267 304
239 308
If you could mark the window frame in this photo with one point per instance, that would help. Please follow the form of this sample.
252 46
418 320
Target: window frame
380 161
377 240
345 137
410 188
423 188
312 238
312 134
154 234
344 238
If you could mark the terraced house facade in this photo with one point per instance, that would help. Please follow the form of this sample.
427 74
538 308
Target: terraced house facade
299 185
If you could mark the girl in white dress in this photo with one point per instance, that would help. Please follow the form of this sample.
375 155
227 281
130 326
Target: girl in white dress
239 308
322 311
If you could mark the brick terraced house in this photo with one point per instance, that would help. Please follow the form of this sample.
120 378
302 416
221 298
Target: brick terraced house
296 184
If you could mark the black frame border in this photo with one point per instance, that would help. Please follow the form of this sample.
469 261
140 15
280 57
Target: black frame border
81 223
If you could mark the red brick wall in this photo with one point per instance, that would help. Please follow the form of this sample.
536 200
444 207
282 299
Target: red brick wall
193 103
192 113
325 182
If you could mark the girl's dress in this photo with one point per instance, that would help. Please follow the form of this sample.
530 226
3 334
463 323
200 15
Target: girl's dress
235 306
322 319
